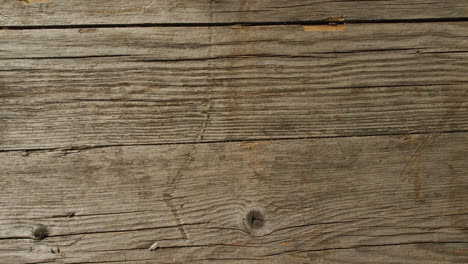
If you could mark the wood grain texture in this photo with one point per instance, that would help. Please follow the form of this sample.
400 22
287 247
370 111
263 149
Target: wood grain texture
72 88
234 131
328 200
76 12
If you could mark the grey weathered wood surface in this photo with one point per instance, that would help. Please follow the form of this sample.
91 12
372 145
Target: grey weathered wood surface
64 88
376 199
76 12
124 123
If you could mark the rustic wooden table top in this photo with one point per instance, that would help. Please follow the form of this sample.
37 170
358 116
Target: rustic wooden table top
222 131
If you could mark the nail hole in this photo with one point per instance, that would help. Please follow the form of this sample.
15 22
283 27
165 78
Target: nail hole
71 214
40 232
255 219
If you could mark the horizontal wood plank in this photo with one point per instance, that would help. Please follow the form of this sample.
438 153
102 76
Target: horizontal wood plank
76 12
385 199
233 131
69 88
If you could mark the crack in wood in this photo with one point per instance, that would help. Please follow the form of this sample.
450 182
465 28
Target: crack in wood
172 184
92 147
110 231
240 56
366 246
408 169
205 121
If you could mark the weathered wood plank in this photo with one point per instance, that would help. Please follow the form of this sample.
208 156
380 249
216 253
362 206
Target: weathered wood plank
73 12
385 199
73 88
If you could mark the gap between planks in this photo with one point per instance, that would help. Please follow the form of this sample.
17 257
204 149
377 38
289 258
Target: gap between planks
327 21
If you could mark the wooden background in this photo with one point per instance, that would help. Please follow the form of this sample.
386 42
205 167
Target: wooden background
312 131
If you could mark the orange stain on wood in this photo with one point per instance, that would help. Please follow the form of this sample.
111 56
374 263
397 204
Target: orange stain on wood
462 251
87 30
250 145
315 233
325 27
304 176
287 243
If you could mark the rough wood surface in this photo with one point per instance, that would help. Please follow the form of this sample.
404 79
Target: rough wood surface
222 131
76 12
69 88
379 199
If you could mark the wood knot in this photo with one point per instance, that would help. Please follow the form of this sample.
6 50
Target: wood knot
40 232
255 219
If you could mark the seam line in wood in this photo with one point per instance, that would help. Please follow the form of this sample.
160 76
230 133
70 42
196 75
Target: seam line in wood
369 245
89 147
224 24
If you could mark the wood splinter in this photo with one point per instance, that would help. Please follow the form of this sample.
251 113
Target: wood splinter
57 252
154 246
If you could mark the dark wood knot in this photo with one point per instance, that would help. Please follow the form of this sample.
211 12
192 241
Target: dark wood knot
40 232
255 219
